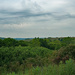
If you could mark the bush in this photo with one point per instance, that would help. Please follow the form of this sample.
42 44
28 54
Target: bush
15 57
64 54
69 50
62 69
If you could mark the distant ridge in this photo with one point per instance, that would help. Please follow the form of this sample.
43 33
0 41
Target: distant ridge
18 38
33 38
23 38
2 38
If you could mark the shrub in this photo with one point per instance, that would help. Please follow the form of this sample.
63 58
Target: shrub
69 50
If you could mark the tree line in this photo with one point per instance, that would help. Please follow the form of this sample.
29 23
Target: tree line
53 44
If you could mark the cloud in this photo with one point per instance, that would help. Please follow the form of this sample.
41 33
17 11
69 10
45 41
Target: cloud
36 16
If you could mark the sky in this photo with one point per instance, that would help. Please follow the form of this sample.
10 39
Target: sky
37 18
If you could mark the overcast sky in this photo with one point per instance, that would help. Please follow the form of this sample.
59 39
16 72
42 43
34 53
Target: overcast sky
37 18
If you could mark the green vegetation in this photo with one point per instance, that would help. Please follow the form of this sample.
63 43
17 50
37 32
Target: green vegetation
47 56
62 69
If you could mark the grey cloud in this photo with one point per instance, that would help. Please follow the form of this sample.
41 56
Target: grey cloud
64 16
46 20
27 13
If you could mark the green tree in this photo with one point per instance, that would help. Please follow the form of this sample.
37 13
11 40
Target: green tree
1 42
22 43
9 42
66 41
35 42
55 45
44 43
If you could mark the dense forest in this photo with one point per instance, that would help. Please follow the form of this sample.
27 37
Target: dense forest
38 56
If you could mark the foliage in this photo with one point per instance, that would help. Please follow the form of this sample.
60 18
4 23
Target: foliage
64 54
33 57
15 57
68 50
62 69
8 42
50 43
67 40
